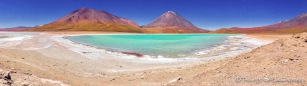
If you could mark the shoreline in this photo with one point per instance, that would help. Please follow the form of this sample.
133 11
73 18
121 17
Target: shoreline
240 39
132 55
268 37
45 53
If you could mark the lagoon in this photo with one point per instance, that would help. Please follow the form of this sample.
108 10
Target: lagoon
166 45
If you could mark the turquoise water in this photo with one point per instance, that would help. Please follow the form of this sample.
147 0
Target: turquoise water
167 45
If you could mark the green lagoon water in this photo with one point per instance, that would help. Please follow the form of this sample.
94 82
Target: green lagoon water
167 45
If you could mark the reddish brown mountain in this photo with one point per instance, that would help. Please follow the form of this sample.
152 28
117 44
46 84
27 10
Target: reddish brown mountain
85 14
170 19
170 22
295 25
85 19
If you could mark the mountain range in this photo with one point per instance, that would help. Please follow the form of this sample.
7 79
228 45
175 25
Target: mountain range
19 28
85 19
295 25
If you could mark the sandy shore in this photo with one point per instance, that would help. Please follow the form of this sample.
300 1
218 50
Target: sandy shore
281 63
47 59
268 37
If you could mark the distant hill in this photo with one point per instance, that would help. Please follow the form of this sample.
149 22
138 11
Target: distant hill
170 22
19 28
297 24
86 19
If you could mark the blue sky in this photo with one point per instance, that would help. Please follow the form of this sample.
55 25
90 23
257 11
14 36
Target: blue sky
206 14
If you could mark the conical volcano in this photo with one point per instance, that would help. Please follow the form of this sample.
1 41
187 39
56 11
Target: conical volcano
170 22
170 19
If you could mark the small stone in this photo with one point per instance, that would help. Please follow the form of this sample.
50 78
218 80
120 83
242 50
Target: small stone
112 79
176 79
28 73
25 84
13 72
286 60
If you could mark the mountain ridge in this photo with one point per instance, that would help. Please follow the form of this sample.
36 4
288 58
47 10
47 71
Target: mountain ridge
95 15
296 24
85 19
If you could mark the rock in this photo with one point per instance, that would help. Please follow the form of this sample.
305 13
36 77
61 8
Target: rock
113 79
86 52
175 80
13 72
28 73
8 77
293 59
133 53
301 36
25 84
9 80
296 37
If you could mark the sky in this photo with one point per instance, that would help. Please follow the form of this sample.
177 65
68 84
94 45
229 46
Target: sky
205 14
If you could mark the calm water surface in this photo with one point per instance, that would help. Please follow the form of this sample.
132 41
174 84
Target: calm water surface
168 45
